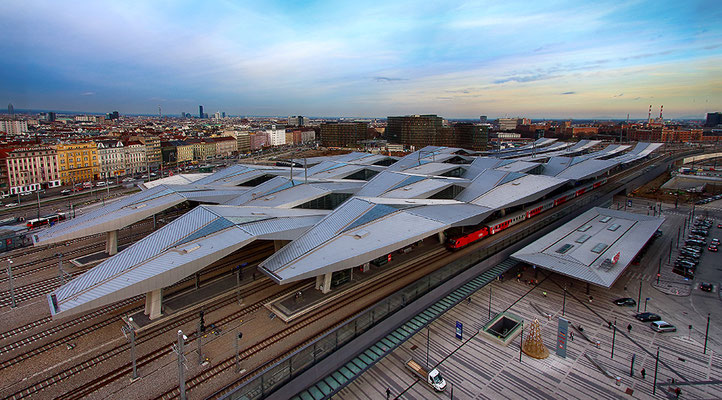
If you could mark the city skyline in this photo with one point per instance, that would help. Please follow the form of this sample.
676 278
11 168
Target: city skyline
551 60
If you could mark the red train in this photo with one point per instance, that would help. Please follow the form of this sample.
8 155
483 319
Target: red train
46 220
502 223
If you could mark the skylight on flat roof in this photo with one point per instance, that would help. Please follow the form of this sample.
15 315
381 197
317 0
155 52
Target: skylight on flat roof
614 227
606 219
599 248
564 248
585 228
583 238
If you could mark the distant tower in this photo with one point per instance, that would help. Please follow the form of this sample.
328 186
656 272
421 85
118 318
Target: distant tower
160 113
660 113
200 112
649 116
11 109
483 119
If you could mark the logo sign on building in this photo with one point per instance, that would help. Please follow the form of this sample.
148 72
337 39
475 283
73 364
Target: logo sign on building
562 335
616 258
459 330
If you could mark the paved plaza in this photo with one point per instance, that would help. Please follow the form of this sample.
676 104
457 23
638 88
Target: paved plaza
477 368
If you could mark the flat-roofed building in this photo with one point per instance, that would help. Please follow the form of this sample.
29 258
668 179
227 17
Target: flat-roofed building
78 161
30 168
343 134
595 247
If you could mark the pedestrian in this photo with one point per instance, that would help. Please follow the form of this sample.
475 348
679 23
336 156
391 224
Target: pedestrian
571 336
629 328
388 393
544 293
591 298
677 391
644 373
469 300
610 324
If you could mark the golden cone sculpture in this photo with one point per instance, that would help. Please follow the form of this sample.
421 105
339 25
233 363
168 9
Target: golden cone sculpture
533 345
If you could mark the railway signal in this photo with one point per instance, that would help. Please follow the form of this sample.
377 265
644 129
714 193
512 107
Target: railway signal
10 278
178 349
129 330
238 356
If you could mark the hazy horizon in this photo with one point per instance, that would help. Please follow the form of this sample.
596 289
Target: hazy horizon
553 60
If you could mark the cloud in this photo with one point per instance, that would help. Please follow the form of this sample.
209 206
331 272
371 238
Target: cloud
569 93
387 79
526 78
88 94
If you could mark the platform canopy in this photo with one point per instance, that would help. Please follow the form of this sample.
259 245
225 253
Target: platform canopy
342 212
595 247
185 246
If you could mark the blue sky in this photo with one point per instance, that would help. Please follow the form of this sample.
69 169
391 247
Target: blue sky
553 59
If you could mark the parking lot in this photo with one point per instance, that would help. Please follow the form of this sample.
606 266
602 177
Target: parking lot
477 368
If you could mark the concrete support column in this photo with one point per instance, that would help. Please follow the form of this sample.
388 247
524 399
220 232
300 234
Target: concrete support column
111 244
503 212
442 237
153 303
323 282
278 244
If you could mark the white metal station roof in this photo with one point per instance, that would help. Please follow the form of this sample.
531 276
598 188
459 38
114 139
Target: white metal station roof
393 209
186 245
585 247
365 228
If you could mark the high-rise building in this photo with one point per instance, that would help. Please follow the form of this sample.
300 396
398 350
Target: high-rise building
113 115
217 115
469 136
51 116
296 120
482 119
509 124
200 112
14 127
11 109
415 130
223 114
343 134
713 119
276 135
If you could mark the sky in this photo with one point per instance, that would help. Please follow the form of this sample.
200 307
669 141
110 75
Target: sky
537 59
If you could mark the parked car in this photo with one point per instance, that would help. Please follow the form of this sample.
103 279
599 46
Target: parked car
715 241
648 317
99 184
11 204
626 301
128 179
65 192
719 226
707 287
712 248
661 326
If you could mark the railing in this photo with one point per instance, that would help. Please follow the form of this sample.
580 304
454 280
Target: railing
299 361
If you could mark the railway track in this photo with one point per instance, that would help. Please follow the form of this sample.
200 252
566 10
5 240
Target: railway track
89 387
229 363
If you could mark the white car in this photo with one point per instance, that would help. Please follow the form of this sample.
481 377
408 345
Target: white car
661 326
100 184
11 204
128 179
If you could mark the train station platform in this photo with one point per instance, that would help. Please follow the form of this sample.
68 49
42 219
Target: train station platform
307 299
195 299
95 258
